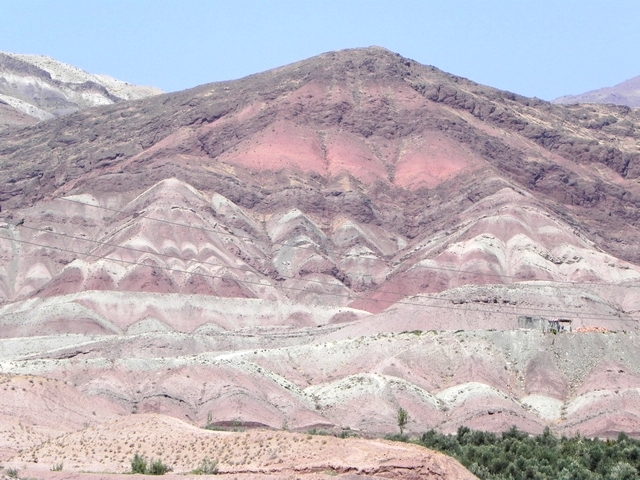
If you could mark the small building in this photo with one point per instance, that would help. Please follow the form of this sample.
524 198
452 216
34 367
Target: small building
560 325
543 324
532 323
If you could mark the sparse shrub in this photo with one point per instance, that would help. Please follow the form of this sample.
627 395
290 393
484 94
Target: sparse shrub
235 426
156 467
57 467
207 467
138 464
397 437
12 472
217 428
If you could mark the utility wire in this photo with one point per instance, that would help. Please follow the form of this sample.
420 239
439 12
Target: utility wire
73 237
600 317
176 257
337 254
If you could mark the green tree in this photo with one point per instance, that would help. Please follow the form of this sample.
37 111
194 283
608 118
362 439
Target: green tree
403 419
622 471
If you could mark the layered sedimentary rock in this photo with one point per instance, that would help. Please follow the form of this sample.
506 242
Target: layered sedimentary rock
318 245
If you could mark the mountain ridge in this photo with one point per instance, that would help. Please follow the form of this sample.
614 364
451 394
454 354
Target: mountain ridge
626 93
558 180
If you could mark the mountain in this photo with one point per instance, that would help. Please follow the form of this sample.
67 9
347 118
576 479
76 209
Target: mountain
320 244
626 93
37 87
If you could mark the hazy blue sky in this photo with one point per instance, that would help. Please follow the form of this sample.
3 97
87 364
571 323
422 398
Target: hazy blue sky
538 48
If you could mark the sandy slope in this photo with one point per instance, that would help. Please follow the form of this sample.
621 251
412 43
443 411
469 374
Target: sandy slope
111 446
331 379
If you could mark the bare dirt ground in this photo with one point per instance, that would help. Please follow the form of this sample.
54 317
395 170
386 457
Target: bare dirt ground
109 447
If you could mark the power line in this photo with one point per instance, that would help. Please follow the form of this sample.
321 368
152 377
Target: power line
190 260
320 282
342 256
599 317
171 269
441 298
167 255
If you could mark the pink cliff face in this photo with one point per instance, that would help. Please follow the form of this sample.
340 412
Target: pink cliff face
315 247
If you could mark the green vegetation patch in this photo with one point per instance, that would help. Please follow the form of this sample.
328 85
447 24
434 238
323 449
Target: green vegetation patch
517 455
